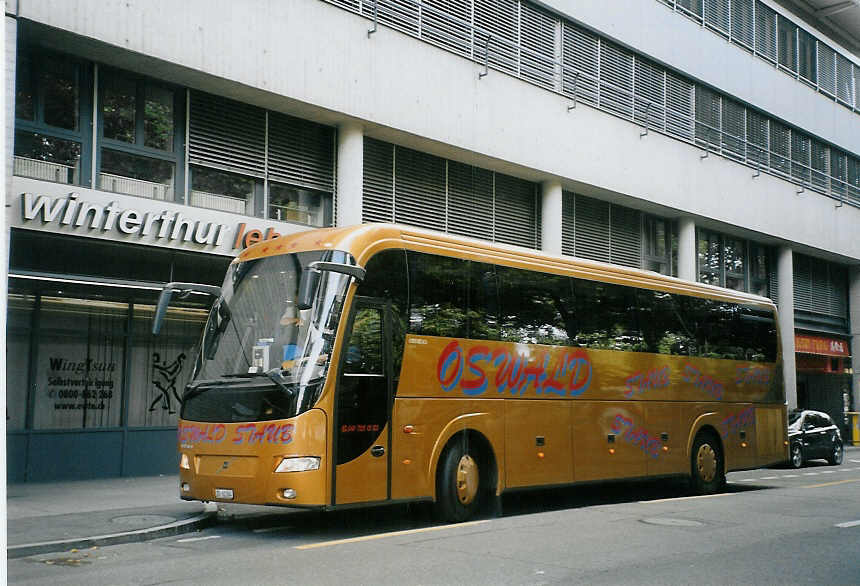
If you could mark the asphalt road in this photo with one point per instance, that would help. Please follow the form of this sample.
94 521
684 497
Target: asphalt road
772 526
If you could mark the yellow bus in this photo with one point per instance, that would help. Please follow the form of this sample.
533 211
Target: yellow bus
381 363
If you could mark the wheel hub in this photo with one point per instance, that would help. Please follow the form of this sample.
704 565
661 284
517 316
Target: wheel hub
467 479
706 463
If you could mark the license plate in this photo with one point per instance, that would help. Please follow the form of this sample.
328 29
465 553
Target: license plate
224 493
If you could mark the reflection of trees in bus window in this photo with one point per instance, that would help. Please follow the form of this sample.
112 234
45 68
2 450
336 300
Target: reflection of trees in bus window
663 328
607 317
535 307
483 311
438 296
386 279
364 348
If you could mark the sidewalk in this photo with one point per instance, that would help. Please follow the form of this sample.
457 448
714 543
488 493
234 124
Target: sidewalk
58 516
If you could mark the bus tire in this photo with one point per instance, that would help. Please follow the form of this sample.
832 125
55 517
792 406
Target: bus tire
707 467
460 481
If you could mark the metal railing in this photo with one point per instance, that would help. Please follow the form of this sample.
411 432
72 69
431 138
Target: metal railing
290 213
493 51
36 169
215 201
845 90
136 187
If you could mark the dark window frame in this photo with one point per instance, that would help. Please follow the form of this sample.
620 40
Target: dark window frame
30 60
176 156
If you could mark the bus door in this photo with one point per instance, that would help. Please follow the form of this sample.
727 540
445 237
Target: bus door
363 406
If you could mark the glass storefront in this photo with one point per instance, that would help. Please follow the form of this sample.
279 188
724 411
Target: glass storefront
90 391
76 358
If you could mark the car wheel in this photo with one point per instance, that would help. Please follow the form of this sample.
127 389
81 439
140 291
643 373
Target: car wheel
708 474
459 489
796 460
836 455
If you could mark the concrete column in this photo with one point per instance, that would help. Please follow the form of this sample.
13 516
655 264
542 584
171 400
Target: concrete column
550 213
785 301
854 314
687 249
350 173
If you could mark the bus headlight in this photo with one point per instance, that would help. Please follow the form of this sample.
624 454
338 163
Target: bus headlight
298 464
184 463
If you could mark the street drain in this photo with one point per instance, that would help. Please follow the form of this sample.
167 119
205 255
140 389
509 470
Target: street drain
672 522
142 520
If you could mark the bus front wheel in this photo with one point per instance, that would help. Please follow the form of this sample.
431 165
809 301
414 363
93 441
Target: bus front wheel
459 489
708 474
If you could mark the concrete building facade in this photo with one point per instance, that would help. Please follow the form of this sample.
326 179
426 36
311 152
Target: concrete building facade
152 141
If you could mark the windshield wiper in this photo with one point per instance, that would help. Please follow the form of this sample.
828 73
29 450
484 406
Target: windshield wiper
276 375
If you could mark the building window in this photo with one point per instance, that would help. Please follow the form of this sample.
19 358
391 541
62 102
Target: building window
138 120
708 253
734 255
295 204
219 190
658 245
49 118
759 264
733 263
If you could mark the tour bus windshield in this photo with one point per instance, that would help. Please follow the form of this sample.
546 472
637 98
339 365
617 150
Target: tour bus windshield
262 357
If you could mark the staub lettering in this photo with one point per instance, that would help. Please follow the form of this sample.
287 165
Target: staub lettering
165 225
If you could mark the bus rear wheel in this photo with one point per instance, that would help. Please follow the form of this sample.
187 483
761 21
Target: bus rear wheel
707 468
459 482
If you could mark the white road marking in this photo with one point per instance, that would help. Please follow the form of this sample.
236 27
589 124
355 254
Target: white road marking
855 461
190 539
810 473
689 498
827 471
271 529
748 479
769 477
390 534
790 475
848 524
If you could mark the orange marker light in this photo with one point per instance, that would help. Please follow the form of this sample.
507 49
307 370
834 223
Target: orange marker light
743 444
407 461
665 448
611 450
408 429
540 455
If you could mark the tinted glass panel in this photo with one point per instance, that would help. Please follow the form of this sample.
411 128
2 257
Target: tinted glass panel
158 118
386 279
607 317
118 108
59 81
438 290
663 328
483 302
364 348
536 308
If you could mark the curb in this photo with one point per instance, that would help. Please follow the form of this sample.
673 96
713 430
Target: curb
200 521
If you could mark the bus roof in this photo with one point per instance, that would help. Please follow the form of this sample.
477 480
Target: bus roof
364 240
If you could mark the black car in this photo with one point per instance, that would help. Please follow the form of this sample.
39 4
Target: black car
812 434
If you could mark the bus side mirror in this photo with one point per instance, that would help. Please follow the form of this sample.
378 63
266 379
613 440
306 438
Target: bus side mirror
161 309
183 289
307 288
311 279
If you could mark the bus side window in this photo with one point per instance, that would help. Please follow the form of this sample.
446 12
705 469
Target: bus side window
364 349
386 279
437 286
663 327
483 303
531 305
608 317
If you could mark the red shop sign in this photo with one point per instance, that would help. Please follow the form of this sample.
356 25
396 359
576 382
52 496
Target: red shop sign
821 345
